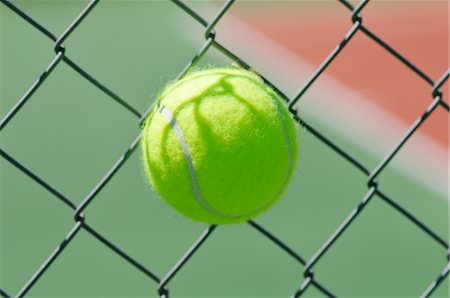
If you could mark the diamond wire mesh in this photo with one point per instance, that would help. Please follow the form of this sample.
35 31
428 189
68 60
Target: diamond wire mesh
162 282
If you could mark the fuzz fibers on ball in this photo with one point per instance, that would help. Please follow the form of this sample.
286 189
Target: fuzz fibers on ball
219 146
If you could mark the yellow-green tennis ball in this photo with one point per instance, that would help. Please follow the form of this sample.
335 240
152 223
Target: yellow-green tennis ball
219 146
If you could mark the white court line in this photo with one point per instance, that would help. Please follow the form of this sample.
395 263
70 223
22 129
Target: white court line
348 113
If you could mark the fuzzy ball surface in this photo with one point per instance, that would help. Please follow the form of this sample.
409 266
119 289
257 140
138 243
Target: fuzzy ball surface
219 146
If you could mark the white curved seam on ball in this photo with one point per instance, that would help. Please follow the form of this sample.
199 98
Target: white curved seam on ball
289 153
187 156
289 150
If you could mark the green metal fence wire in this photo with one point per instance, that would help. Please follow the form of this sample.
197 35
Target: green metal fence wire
162 283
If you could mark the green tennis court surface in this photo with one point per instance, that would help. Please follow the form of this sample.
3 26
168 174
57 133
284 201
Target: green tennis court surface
70 134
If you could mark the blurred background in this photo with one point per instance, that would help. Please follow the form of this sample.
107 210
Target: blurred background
70 134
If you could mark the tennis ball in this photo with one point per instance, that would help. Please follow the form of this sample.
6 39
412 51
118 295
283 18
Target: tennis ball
219 146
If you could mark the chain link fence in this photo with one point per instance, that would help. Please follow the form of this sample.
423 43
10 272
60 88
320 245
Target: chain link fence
162 282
